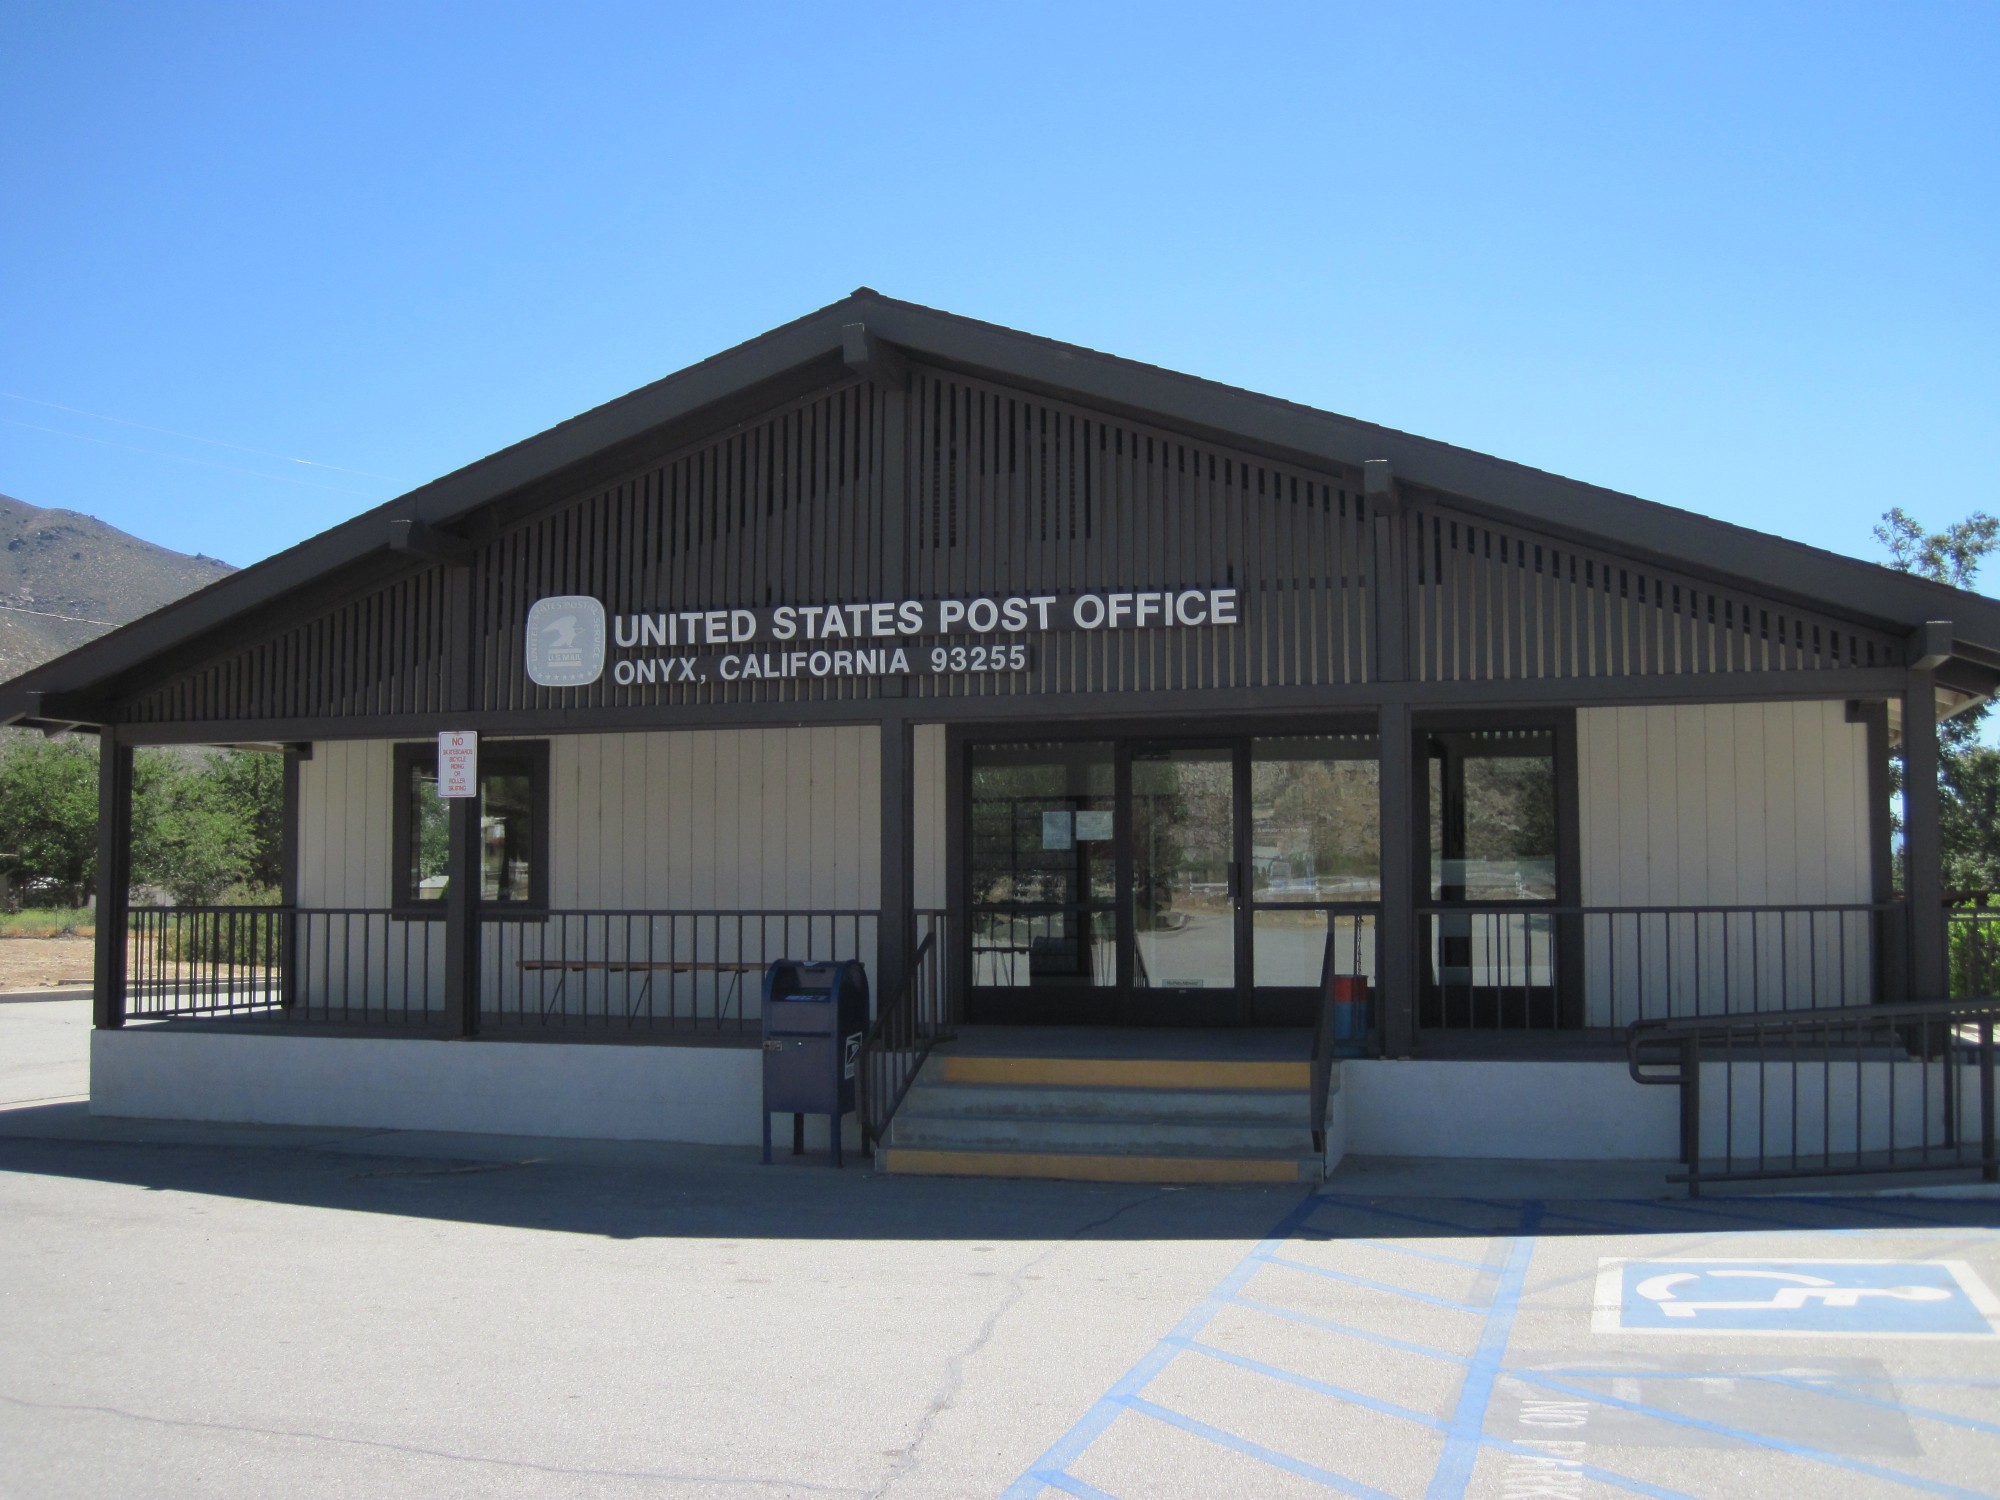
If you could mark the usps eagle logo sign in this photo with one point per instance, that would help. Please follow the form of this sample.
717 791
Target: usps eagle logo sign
566 641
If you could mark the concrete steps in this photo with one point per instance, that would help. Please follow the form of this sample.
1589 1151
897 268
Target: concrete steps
1107 1119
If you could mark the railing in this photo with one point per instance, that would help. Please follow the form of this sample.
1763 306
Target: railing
1320 1078
207 960
1013 943
1518 966
652 972
1830 1092
358 966
1973 945
656 971
905 1029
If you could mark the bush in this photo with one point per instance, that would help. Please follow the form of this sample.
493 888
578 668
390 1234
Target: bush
250 937
48 815
49 922
1974 955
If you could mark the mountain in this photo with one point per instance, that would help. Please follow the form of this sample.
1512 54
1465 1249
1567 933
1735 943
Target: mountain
66 577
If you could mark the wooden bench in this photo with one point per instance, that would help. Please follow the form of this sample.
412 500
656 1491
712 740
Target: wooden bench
735 968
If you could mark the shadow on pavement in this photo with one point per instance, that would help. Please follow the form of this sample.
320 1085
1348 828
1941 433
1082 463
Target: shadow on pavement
641 1190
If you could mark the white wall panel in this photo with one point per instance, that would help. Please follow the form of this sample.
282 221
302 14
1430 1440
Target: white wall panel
1738 805
930 880
344 829
706 820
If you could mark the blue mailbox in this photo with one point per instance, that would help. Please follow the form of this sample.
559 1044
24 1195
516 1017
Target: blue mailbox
814 1018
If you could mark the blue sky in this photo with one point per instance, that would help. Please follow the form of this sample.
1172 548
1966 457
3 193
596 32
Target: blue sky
1734 257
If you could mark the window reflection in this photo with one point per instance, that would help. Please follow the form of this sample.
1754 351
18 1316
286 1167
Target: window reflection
1492 816
430 835
1043 866
507 852
1315 819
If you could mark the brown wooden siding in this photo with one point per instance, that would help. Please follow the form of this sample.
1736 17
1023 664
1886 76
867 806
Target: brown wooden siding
382 653
1491 601
1012 493
786 510
1019 494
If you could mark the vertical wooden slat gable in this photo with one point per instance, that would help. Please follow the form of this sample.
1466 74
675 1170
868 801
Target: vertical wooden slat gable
1494 602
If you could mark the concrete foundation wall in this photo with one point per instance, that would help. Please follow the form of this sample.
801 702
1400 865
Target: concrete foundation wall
1545 1111
700 1095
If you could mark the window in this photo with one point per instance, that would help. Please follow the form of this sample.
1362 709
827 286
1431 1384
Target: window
1315 845
513 826
1043 857
1493 816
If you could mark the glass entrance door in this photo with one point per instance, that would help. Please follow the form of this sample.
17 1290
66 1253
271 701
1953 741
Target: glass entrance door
1158 883
1041 876
1182 902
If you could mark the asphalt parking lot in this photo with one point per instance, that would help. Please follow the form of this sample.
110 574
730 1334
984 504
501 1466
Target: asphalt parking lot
233 1311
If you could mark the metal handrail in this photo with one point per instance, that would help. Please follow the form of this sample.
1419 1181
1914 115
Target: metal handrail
1320 1076
1519 965
898 1044
1944 1036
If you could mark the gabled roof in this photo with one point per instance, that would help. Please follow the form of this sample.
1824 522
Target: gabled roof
810 352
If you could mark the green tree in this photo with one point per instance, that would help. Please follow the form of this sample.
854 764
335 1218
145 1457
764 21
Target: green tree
251 784
1968 768
48 815
201 824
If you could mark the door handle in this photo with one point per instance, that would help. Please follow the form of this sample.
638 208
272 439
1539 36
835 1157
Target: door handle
1235 880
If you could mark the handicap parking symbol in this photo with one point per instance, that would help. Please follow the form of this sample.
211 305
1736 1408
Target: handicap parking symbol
1839 1298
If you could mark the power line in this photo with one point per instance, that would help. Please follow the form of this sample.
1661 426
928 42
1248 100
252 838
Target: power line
84 437
48 614
310 463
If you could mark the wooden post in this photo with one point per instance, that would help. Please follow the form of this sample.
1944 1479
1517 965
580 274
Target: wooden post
1923 846
461 920
896 927
461 896
114 874
1396 928
288 881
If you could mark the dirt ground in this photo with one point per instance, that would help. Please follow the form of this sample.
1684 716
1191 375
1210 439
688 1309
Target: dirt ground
44 963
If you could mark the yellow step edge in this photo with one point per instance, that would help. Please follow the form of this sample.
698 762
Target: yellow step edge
1128 1072
1064 1167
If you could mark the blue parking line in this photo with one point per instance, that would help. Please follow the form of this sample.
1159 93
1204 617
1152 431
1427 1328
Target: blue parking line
1468 1420
1828 1386
1465 1429
1757 1439
1317 1387
1314 1321
1069 1484
1764 1221
1105 1410
1550 1212
1258 1451
1376 1286
1317 1237
1462 1230
1928 1413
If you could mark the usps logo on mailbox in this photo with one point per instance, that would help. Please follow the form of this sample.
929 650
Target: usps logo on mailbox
566 641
